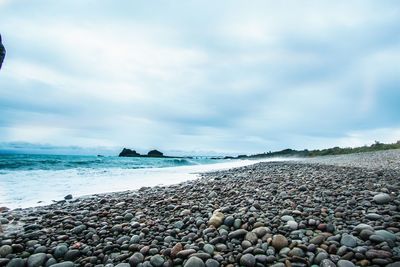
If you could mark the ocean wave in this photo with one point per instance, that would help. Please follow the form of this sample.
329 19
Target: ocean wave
51 162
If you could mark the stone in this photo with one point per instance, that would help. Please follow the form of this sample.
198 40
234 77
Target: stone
229 221
5 250
293 225
237 233
128 216
381 198
327 263
348 240
251 237
208 249
194 262
345 263
185 253
16 262
365 234
386 235
279 242
123 264
287 218
72 255
376 238
68 197
136 259
212 263
320 257
216 219
64 264
317 240
298 252
261 231
135 239
363 226
37 260
248 260
157 260
373 216
177 248
374 253
78 229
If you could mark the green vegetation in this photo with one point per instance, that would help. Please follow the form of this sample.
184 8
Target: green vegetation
323 152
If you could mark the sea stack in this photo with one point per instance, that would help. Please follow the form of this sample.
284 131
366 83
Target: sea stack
126 152
155 153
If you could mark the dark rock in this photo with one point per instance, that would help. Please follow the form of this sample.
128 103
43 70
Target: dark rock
64 264
16 262
126 152
60 251
37 260
72 255
155 153
157 260
194 262
327 263
5 250
345 263
68 197
237 233
248 260
212 263
382 198
2 52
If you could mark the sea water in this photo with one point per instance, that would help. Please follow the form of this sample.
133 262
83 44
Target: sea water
32 180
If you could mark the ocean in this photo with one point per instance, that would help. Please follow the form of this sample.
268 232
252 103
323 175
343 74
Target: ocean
32 180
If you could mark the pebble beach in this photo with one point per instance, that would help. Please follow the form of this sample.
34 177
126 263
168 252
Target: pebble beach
331 211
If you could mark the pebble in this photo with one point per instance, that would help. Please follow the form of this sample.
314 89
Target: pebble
157 260
382 198
37 260
348 240
345 263
216 219
212 263
248 260
64 264
279 242
194 262
5 250
16 262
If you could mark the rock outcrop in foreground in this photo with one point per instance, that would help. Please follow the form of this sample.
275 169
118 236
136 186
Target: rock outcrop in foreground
269 214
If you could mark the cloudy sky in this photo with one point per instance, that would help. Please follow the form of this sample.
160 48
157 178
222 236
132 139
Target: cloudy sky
224 76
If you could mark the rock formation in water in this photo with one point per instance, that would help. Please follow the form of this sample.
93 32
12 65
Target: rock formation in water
126 152
2 52
155 153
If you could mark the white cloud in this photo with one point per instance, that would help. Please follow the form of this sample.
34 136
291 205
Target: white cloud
259 76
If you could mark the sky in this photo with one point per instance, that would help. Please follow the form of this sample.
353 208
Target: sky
199 76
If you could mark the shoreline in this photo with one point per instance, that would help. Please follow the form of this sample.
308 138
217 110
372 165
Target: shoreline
294 213
126 179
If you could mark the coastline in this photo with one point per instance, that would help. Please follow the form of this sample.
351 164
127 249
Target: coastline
49 186
270 213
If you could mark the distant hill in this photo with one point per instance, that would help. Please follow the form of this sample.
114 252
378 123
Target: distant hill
321 152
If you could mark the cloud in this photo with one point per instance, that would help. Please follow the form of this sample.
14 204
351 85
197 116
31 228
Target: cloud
240 78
